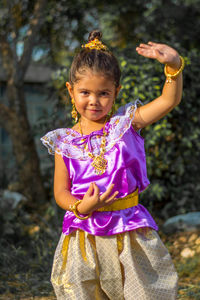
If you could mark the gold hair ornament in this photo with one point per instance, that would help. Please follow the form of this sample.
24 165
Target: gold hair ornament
73 208
173 76
95 44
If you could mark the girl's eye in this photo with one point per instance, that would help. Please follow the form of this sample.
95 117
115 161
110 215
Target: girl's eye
84 93
104 94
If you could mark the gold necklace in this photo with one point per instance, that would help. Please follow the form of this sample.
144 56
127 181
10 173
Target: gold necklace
99 162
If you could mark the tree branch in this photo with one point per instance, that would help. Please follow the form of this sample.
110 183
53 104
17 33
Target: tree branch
35 26
7 55
14 12
6 114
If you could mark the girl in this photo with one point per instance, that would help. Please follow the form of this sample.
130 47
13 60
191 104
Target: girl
109 247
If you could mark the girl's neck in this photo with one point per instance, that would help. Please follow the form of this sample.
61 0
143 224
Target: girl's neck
89 126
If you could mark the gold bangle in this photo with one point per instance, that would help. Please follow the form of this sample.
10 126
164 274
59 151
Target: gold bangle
173 76
73 208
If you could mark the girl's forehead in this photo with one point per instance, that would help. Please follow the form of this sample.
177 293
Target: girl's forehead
93 78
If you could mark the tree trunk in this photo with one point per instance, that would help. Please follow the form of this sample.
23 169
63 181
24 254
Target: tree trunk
13 117
17 125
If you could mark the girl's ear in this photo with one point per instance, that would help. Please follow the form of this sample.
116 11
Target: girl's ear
117 90
70 89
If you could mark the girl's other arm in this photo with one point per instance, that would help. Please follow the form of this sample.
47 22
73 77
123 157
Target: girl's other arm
62 184
171 93
91 200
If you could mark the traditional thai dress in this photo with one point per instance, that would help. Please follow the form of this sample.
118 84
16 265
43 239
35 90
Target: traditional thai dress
115 254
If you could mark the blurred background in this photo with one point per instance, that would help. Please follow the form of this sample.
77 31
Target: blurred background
38 40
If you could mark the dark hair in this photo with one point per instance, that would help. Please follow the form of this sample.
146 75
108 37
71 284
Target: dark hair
97 60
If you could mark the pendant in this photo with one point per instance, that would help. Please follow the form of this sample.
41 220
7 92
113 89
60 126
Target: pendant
169 80
99 164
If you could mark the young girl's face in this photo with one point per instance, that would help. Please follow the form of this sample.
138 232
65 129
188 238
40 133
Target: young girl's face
94 95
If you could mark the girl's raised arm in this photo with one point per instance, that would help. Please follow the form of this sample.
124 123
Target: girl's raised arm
172 91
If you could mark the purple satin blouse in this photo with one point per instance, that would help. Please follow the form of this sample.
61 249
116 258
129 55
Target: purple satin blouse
126 169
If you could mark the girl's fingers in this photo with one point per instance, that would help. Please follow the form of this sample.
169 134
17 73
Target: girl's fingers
152 43
149 45
144 46
106 194
96 189
112 198
151 52
90 190
146 53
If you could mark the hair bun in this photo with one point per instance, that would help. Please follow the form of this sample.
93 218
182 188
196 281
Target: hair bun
95 34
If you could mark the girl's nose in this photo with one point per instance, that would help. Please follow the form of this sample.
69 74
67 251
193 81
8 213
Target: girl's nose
94 100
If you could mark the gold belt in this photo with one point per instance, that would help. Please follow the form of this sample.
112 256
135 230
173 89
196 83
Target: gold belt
122 203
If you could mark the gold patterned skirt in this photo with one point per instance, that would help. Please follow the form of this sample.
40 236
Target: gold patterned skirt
133 265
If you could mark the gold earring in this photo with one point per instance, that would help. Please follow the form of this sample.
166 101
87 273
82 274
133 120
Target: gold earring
74 112
112 110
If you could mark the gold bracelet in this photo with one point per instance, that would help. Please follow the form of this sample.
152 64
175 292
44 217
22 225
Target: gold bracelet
73 208
173 76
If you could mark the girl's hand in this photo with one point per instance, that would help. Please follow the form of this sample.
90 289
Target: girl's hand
163 53
92 200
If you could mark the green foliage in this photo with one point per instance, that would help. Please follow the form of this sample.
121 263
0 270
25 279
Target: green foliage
172 144
155 20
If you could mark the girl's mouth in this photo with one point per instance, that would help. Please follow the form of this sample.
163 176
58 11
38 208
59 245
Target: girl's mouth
94 110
